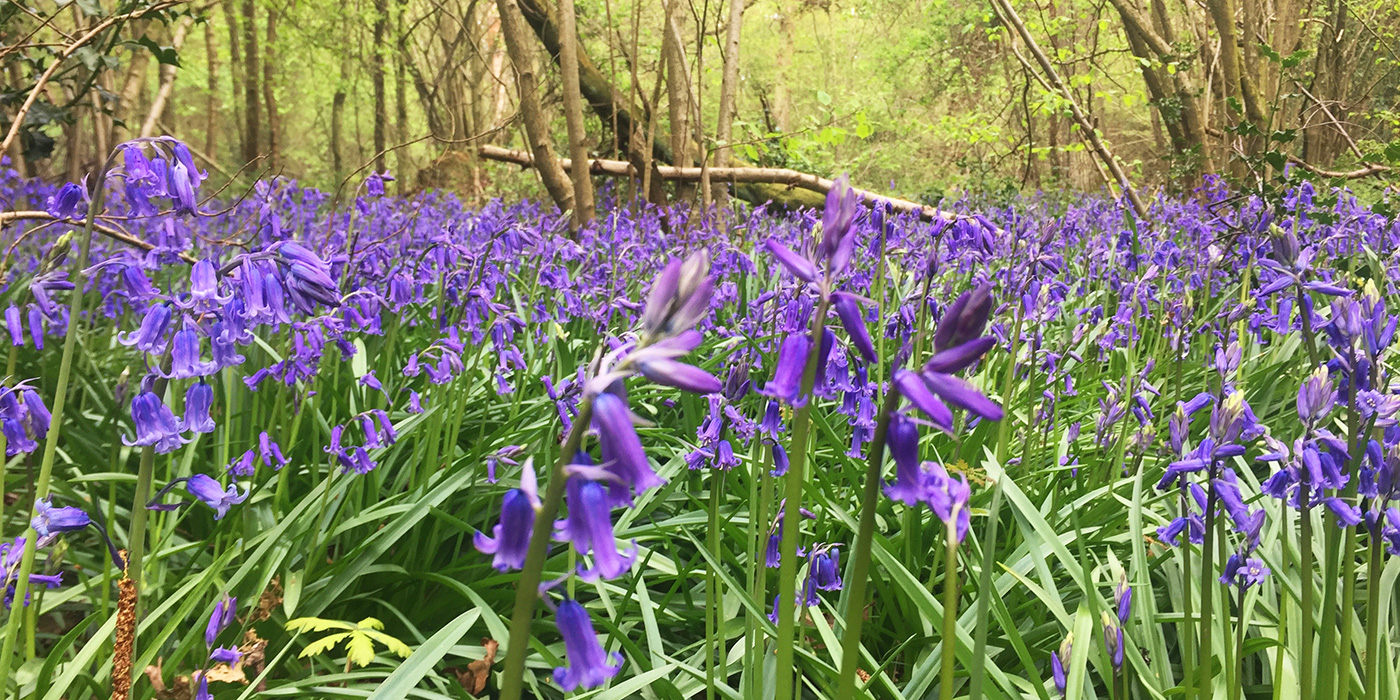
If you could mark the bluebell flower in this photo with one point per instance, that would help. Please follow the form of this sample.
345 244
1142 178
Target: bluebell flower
1058 659
510 541
198 400
589 665
14 323
270 452
225 655
623 456
150 337
155 424
66 203
211 493
910 485
1113 640
589 527
220 619
49 521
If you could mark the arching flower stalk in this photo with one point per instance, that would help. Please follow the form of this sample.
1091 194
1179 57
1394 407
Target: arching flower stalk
679 299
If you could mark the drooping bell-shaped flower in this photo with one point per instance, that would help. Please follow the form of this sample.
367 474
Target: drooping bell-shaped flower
199 398
848 308
155 424
948 498
623 456
787 371
910 485
1059 659
589 527
211 493
49 521
510 541
150 337
185 362
1113 640
589 666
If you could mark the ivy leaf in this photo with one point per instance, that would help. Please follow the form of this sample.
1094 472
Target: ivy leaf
91 8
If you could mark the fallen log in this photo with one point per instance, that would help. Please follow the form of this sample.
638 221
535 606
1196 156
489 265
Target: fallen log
808 190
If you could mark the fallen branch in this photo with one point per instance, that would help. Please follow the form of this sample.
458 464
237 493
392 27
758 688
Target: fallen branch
744 175
1368 170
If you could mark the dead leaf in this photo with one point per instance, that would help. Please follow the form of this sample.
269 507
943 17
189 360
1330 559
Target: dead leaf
474 679
271 598
181 689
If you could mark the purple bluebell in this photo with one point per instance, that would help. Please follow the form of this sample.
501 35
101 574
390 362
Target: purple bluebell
623 456
510 541
155 425
150 337
198 400
220 619
49 521
589 527
211 493
589 665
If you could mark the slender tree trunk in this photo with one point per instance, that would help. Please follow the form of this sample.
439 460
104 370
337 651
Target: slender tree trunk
212 107
269 89
131 87
235 70
338 118
678 96
167 83
782 94
573 113
252 109
381 109
400 98
521 48
729 86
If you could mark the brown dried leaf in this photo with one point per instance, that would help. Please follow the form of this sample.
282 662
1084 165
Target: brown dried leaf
478 672
271 598
179 690
224 673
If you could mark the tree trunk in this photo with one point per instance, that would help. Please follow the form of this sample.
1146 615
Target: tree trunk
381 109
131 86
522 54
212 106
782 94
274 119
400 98
235 66
573 113
678 96
167 83
729 86
251 108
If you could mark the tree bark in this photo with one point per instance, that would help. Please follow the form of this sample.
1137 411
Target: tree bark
274 118
212 107
235 65
729 85
782 94
167 82
522 55
400 98
678 96
573 113
381 110
252 109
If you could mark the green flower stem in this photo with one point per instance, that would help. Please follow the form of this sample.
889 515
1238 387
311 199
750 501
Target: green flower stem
1371 681
765 496
527 592
65 370
792 523
1335 661
1237 679
1208 591
713 609
951 588
860 551
1305 568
